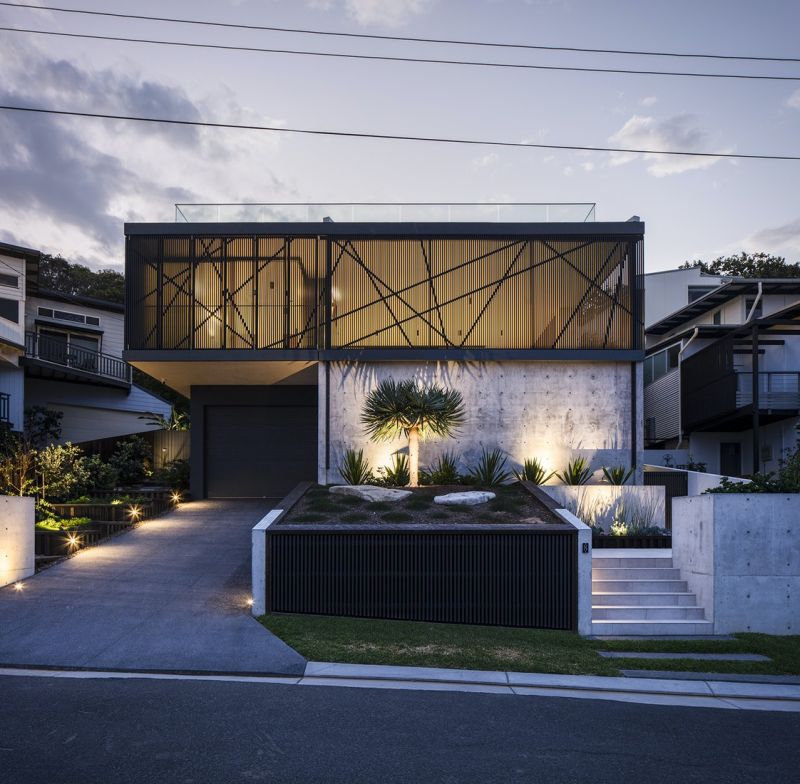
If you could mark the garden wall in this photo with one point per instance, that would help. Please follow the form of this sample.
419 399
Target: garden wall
17 559
549 410
740 553
598 505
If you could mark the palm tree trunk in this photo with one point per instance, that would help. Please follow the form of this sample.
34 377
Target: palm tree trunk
413 457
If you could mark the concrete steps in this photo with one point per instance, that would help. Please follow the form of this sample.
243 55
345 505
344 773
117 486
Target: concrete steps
636 593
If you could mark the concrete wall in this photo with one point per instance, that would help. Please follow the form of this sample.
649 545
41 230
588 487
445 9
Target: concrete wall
549 410
741 555
598 505
17 559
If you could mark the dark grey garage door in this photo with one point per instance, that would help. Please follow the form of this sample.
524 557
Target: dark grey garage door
259 451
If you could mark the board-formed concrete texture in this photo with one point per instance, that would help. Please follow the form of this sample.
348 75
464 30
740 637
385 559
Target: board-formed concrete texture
553 411
17 559
740 553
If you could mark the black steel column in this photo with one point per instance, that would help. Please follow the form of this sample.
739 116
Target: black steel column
756 405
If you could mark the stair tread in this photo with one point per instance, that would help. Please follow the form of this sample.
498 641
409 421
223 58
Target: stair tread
651 620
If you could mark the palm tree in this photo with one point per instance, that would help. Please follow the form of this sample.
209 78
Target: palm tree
396 407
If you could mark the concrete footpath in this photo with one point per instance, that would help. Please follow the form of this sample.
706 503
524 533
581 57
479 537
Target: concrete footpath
649 691
169 595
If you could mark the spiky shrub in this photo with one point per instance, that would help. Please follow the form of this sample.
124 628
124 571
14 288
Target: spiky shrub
416 411
534 472
490 469
443 472
616 475
355 468
577 472
396 473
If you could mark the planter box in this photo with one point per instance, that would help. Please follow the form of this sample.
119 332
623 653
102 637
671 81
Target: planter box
606 541
114 513
55 543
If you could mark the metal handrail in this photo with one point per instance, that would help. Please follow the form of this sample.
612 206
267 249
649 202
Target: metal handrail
48 349
776 389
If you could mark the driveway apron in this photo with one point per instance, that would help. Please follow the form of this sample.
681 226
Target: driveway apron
170 594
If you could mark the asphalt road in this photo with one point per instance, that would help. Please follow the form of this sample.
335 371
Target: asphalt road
83 731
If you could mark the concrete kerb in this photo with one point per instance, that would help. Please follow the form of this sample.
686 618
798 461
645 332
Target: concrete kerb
695 693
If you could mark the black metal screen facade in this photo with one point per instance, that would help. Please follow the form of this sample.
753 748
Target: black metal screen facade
501 578
352 293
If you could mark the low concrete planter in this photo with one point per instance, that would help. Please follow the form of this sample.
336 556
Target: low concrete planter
508 575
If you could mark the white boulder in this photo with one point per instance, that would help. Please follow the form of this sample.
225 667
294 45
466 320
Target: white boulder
371 492
467 498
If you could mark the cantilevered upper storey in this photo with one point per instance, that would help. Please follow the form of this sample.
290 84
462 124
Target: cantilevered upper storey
384 290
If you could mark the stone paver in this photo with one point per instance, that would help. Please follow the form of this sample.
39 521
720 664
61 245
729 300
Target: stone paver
743 657
169 595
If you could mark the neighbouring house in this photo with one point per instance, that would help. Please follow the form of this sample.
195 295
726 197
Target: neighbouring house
722 375
666 291
64 352
277 328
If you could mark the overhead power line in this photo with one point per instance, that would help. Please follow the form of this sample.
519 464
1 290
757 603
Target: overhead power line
397 59
408 39
395 137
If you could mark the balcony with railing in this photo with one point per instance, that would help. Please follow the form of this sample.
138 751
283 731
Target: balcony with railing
54 358
775 390
716 395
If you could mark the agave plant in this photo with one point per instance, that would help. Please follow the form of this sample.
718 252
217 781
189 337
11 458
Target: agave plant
396 473
416 411
443 472
577 472
534 472
490 469
617 475
355 468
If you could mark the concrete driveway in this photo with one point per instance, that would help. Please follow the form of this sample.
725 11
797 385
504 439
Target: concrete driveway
168 595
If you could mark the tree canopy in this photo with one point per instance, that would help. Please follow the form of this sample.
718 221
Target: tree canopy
747 265
58 274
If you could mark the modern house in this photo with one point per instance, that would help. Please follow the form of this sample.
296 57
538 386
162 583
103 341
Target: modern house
666 291
277 325
722 376
63 352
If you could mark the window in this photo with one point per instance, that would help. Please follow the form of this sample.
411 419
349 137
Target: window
67 348
695 292
66 315
717 317
9 309
9 280
748 305
659 364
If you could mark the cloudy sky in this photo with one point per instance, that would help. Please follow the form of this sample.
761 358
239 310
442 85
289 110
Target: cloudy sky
67 184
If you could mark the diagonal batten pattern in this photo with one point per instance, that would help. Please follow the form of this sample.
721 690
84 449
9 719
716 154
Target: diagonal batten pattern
351 293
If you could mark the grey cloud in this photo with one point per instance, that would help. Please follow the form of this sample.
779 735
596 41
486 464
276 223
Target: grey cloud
786 237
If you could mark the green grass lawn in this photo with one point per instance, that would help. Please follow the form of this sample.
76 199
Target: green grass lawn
367 641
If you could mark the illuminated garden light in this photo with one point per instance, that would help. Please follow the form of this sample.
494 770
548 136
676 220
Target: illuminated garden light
249 601
73 540
134 512
176 497
19 586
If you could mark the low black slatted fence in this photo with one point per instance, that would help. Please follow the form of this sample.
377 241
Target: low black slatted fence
492 575
676 485
115 513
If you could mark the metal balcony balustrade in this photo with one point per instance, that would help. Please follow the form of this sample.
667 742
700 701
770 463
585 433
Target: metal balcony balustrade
57 352
776 390
5 414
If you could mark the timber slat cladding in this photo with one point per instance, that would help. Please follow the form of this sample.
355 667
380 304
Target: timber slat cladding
271 292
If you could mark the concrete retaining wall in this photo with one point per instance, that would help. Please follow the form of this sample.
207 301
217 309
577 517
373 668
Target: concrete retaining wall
17 560
549 410
598 505
741 555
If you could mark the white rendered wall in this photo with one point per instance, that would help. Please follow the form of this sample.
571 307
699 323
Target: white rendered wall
741 555
549 410
17 559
